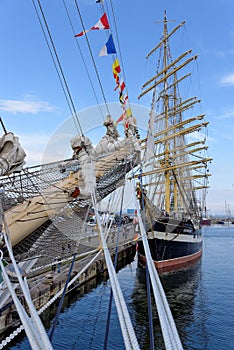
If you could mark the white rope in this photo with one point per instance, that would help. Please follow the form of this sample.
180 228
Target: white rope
31 332
36 321
56 296
128 333
44 267
50 302
169 331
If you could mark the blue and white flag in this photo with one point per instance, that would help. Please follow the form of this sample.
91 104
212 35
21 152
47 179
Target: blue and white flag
108 48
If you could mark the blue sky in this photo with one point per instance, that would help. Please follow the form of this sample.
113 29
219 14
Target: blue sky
32 103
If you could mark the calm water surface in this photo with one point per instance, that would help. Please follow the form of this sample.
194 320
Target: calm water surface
201 299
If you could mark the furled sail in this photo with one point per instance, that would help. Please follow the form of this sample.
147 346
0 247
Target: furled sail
12 154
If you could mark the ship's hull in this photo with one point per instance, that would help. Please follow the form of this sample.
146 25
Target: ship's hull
172 251
206 222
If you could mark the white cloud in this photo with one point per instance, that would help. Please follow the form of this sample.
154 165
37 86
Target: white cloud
33 145
30 105
228 80
226 115
45 148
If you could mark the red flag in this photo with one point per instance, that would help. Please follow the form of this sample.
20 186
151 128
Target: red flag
117 81
120 118
101 24
122 85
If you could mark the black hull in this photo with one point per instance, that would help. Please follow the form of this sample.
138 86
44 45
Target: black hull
172 252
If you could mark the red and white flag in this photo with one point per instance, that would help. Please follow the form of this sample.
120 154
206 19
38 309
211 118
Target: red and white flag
120 85
101 24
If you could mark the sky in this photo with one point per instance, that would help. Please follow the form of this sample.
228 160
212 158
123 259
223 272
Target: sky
32 102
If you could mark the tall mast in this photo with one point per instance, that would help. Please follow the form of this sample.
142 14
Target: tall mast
167 151
174 157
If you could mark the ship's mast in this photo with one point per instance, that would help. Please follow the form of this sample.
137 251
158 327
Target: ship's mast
167 151
176 174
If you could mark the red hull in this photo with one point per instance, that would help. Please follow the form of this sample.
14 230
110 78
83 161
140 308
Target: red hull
173 264
206 222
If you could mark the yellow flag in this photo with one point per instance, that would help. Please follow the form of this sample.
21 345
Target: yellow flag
129 112
116 68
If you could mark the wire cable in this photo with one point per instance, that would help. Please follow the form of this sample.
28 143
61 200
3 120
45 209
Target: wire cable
115 266
92 57
128 333
59 68
83 60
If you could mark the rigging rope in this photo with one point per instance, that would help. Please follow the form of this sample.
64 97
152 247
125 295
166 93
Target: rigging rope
128 333
169 331
147 279
83 60
62 299
58 67
115 266
36 327
118 43
31 333
50 302
92 57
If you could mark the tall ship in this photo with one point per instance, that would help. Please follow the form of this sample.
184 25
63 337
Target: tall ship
174 178
44 234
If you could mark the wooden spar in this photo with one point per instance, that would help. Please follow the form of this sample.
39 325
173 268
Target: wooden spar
168 75
188 100
176 166
176 155
176 82
188 145
196 188
187 189
173 111
165 38
189 152
177 110
176 126
166 68
179 133
174 150
182 132
192 177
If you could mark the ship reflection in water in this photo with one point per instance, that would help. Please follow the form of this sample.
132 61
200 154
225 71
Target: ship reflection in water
182 290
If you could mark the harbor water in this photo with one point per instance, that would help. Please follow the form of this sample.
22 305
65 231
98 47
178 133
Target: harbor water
201 299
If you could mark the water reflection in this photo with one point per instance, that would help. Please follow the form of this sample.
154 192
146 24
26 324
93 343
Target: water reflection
181 288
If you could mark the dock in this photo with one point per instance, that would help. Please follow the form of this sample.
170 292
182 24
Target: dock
46 283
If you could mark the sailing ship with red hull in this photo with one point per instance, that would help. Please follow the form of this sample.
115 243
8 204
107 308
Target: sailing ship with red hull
174 178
